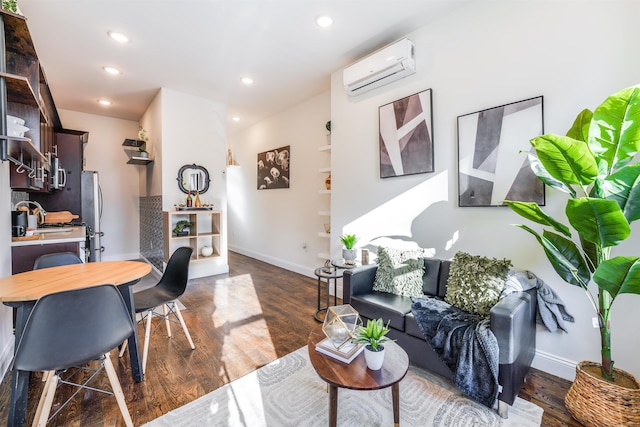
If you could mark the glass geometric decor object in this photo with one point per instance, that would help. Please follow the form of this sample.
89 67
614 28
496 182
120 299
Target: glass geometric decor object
340 324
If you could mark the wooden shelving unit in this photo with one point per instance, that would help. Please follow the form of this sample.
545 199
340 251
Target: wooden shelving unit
204 232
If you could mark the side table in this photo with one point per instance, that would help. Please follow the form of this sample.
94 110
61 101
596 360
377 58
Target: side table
323 275
356 375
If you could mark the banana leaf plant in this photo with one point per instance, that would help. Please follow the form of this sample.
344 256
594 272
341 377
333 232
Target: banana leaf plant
594 165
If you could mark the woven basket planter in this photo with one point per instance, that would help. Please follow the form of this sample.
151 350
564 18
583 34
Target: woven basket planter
596 402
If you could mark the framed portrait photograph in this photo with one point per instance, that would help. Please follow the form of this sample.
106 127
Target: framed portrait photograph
273 168
406 136
492 155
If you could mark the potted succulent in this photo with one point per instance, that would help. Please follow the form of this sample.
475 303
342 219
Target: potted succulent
594 165
142 152
182 228
372 336
349 241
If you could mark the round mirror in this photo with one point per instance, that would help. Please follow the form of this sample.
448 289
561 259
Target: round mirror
193 178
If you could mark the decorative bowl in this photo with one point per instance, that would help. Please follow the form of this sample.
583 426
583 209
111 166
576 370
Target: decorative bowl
206 251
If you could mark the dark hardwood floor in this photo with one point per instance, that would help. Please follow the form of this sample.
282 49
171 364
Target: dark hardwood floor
239 322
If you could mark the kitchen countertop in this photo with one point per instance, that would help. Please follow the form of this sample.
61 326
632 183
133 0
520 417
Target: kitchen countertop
76 234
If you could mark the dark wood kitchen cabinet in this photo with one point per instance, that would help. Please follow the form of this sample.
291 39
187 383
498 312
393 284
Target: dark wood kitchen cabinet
27 97
23 257
70 149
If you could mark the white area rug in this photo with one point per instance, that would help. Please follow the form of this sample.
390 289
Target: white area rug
288 392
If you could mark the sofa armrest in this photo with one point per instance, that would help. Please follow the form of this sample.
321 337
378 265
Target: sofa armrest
358 281
513 322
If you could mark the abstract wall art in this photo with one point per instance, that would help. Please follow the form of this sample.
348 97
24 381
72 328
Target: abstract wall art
406 136
273 168
492 160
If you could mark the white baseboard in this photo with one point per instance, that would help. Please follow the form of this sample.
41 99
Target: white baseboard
287 265
6 356
555 365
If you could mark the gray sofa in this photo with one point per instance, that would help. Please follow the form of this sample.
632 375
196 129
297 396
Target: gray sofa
513 321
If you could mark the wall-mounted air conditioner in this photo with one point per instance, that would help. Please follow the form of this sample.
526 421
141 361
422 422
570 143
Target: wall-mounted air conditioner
382 67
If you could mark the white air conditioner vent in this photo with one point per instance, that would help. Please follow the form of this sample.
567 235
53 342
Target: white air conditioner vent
382 67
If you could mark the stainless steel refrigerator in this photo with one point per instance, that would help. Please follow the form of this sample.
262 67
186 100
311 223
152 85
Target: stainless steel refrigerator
91 212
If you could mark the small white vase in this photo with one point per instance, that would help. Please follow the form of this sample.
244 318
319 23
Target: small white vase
374 359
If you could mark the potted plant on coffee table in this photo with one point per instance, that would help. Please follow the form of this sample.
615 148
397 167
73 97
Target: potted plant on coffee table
372 335
348 252
594 165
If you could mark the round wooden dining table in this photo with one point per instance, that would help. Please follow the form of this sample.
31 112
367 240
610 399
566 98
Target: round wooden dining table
22 290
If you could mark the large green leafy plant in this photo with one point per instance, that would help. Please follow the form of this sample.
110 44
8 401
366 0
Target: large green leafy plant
594 164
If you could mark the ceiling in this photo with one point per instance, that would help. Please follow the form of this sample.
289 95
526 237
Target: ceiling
204 48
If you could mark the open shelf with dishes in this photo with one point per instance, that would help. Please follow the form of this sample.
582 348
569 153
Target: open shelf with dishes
202 235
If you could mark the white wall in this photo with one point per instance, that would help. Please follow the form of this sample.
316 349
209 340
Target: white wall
151 175
274 225
487 54
6 313
119 181
194 131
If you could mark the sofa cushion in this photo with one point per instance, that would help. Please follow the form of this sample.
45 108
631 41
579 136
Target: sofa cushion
445 265
411 326
431 276
475 282
391 308
399 271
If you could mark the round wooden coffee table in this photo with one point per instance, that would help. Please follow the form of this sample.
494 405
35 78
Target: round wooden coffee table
357 376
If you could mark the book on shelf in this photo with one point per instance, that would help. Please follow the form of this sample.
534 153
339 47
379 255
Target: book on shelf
346 353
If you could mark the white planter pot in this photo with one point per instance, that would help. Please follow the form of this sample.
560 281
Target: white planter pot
374 359
349 254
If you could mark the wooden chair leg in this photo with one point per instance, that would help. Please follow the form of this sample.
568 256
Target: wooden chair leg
165 311
123 348
147 333
46 377
46 400
117 390
184 325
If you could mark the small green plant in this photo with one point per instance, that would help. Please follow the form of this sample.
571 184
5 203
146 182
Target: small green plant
328 126
373 334
348 240
181 225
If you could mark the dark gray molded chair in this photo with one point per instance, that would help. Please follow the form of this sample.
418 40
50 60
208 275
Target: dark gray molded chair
71 328
56 259
164 294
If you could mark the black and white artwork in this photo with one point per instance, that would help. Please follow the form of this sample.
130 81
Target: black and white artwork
492 160
273 168
406 136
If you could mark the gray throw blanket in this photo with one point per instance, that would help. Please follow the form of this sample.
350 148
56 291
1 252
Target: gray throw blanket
464 342
552 312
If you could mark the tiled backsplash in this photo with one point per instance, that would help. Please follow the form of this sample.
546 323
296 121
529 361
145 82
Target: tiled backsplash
151 242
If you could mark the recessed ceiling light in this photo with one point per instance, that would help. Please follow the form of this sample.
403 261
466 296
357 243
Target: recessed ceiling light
111 70
324 21
118 37
235 118
104 102
247 80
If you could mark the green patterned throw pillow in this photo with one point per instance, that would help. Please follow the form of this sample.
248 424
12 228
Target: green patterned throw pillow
475 282
400 271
